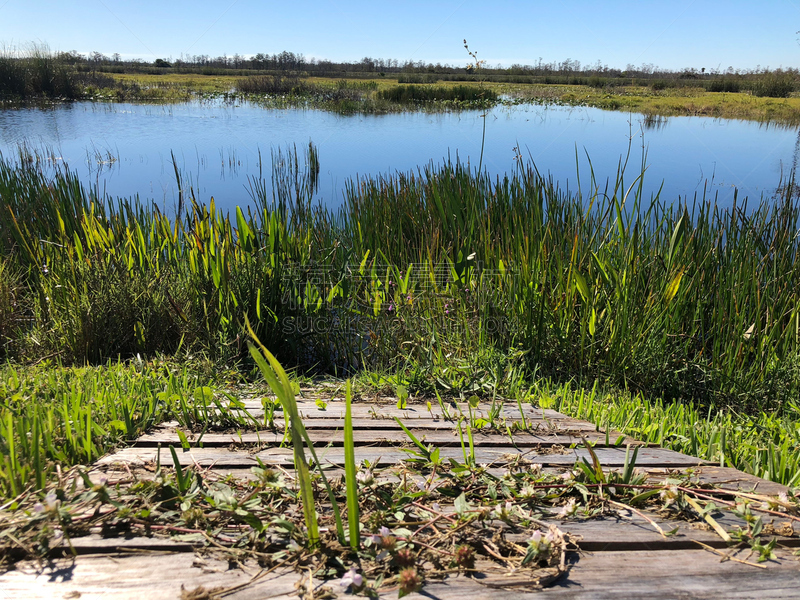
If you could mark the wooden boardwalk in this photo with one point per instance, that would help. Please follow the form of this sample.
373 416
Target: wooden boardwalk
621 557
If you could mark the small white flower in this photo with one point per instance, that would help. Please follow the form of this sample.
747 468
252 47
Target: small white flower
669 495
51 502
568 510
569 475
365 477
352 578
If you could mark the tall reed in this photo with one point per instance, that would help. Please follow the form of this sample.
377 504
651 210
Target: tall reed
684 299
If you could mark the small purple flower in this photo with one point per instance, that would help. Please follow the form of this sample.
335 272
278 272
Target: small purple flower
352 578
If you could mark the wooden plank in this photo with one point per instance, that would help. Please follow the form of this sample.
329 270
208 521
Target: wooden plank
155 576
335 410
222 458
378 437
535 426
628 531
416 420
646 574
733 479
663 574
97 544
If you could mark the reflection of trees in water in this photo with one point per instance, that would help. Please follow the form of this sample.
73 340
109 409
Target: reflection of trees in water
654 122
787 185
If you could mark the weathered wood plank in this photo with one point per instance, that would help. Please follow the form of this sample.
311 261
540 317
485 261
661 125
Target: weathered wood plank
377 437
335 410
654 574
628 531
220 457
566 426
660 574
97 544
155 576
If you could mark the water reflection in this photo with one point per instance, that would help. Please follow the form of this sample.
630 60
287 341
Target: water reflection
128 149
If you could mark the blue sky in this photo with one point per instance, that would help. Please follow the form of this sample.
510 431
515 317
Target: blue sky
683 33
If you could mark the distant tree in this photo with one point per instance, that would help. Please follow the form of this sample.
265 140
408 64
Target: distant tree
161 63
72 57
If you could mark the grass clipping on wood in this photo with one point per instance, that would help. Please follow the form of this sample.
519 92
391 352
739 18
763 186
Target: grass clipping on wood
420 521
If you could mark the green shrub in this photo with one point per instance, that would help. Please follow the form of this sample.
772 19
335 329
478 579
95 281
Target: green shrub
726 84
777 84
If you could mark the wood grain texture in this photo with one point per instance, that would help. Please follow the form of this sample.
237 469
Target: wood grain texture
615 575
373 437
138 577
383 456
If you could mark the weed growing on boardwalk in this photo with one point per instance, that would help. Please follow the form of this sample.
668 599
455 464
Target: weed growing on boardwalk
417 524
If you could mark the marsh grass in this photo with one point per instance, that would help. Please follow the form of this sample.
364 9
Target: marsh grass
35 73
474 269
445 277
471 95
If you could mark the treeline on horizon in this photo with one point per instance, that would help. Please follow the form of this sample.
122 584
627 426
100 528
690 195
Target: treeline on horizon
292 62
759 81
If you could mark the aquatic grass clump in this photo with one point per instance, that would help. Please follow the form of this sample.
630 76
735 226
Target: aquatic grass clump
272 85
466 94
36 73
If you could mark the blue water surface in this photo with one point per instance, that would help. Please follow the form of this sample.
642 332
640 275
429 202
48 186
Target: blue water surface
128 149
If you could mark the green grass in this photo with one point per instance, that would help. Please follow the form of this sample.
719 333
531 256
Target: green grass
763 444
668 102
52 417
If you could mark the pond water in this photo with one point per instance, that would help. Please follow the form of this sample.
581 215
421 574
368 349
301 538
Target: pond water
127 149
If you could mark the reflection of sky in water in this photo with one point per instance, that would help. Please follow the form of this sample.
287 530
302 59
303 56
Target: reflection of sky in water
217 146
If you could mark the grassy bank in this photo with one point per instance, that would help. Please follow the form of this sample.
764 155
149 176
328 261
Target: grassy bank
764 444
670 102
685 301
666 102
443 278
52 418
41 76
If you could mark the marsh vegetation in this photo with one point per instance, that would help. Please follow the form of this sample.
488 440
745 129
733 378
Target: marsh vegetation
444 279
376 86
